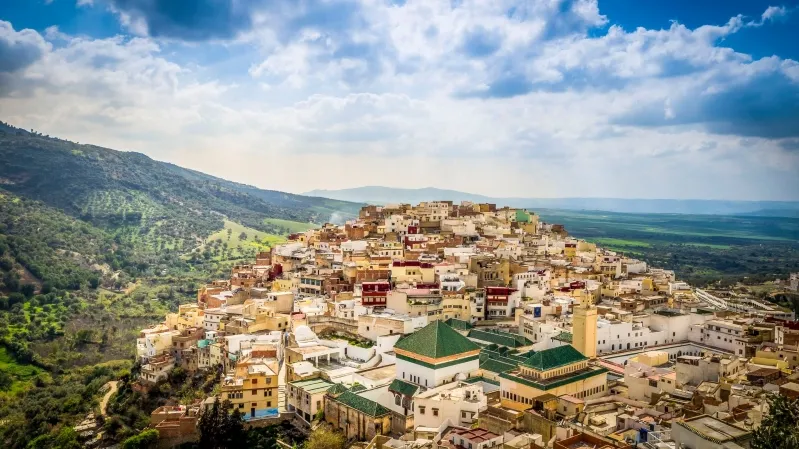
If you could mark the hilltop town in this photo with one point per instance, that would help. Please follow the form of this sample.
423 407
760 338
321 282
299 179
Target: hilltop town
468 325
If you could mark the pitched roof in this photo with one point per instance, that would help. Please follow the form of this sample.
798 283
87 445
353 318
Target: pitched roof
358 387
402 387
362 404
496 366
563 336
337 388
436 340
554 358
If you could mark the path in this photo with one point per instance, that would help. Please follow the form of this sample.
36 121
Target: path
281 387
112 388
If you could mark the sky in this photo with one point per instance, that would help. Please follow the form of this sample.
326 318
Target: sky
512 98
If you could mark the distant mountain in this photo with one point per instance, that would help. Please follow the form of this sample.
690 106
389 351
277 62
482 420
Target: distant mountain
130 192
388 195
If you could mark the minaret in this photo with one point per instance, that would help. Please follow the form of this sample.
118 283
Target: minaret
584 325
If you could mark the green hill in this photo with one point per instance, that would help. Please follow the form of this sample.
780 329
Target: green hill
144 200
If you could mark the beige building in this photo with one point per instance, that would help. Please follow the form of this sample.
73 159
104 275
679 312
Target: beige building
252 387
584 326
557 371
306 397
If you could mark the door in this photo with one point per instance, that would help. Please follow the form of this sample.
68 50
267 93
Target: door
252 412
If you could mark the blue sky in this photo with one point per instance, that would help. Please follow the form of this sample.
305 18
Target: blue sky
550 98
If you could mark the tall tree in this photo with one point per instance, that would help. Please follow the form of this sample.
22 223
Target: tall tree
780 428
221 429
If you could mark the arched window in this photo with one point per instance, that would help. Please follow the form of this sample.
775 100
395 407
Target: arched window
397 399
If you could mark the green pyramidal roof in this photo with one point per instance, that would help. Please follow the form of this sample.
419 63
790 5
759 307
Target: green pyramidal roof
436 340
362 404
554 358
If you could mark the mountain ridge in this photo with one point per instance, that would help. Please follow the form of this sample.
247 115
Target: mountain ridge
136 197
385 195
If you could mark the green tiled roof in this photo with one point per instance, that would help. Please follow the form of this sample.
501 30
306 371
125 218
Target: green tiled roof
563 336
362 404
505 355
554 358
436 340
500 338
496 366
337 388
459 325
565 380
357 387
402 387
474 380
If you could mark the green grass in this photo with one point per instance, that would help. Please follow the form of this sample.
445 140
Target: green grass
22 374
239 248
291 226
620 243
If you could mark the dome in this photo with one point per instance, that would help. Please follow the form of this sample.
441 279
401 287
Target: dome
304 333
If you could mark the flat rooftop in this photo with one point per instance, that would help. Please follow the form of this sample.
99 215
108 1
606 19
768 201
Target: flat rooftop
379 373
714 429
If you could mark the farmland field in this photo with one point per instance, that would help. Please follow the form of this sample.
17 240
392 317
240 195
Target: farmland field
236 242
700 248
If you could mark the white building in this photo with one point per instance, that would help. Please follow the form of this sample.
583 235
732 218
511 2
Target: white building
616 335
725 335
459 402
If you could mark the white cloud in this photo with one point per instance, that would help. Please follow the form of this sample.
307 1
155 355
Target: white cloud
503 97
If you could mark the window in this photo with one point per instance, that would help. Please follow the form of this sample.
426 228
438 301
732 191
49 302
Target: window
435 412
421 409
241 405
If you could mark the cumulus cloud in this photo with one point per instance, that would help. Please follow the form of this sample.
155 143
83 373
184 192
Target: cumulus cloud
507 97
19 49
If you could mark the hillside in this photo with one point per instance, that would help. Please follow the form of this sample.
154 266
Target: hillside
385 195
48 249
133 195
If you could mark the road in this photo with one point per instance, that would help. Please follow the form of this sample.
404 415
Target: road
112 388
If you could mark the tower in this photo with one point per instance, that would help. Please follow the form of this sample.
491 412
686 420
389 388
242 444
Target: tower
584 324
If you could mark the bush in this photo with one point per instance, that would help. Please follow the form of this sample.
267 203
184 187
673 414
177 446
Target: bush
147 438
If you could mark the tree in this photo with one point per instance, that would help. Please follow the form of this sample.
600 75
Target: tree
146 439
243 236
220 429
5 380
322 438
28 290
780 428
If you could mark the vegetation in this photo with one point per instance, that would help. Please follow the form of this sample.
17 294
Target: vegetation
324 438
236 242
141 199
780 428
146 439
288 226
37 415
702 249
221 429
